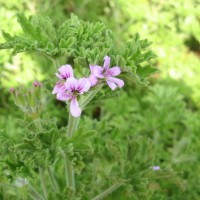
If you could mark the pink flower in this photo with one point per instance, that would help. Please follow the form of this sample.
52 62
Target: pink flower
71 90
66 72
11 90
93 80
156 168
59 86
37 84
107 73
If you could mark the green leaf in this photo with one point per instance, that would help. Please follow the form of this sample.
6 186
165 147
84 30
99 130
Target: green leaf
82 43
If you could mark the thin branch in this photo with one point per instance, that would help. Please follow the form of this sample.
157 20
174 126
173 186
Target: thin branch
34 194
42 179
69 172
107 191
53 180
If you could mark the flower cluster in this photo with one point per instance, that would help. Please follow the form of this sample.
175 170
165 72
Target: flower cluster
69 88
29 100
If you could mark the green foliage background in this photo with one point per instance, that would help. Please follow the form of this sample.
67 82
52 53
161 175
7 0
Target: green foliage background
141 128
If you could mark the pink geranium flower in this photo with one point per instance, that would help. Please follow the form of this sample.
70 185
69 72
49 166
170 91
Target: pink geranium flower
59 86
66 72
107 73
71 90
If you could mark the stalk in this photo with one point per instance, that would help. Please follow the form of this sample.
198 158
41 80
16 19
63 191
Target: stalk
72 125
34 194
91 95
53 180
71 128
42 179
69 172
107 192
55 63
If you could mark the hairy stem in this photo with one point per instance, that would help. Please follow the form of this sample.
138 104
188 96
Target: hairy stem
107 192
72 125
34 194
53 180
90 96
71 128
69 173
55 63
43 185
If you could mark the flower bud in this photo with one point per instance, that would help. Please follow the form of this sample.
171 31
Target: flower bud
29 100
156 168
11 90
37 84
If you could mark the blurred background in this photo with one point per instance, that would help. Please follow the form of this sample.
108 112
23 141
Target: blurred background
167 111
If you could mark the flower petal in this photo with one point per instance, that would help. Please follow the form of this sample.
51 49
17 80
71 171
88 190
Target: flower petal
37 84
114 71
71 84
59 86
83 85
74 108
93 80
91 68
117 81
106 62
66 71
59 76
156 168
62 96
96 71
111 85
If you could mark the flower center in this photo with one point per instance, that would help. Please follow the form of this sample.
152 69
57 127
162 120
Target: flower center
75 92
104 72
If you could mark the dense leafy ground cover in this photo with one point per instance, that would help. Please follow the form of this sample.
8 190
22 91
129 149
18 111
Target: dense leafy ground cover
125 136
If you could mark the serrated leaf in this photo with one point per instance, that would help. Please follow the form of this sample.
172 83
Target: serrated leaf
7 36
26 26
146 71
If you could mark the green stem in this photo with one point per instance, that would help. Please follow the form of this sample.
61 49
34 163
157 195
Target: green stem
55 63
71 128
90 96
72 125
34 194
69 173
53 180
42 179
107 192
